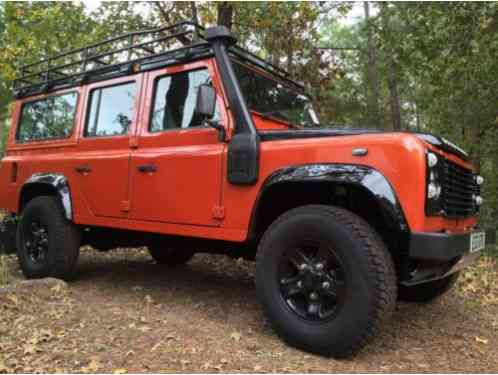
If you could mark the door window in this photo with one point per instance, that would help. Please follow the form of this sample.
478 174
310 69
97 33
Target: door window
111 110
174 101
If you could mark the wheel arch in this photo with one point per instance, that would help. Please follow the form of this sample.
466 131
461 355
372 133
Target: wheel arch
360 189
54 184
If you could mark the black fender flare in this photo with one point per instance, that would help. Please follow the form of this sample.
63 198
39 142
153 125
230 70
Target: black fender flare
374 182
57 181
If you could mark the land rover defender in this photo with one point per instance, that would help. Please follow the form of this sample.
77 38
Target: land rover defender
179 140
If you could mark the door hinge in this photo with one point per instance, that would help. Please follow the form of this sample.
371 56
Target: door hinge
125 206
218 212
133 142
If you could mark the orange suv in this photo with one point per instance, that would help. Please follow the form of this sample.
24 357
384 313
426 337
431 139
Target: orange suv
179 140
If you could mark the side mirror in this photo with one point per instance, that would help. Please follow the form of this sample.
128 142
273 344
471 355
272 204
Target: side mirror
205 108
206 102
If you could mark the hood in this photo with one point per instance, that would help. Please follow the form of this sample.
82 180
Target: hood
438 142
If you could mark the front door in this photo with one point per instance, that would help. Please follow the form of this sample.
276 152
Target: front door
103 165
177 168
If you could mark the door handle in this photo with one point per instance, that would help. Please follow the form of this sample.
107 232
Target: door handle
147 168
83 169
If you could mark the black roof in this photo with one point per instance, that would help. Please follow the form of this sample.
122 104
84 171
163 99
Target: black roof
126 54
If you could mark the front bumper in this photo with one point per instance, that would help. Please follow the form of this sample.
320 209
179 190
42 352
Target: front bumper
437 255
443 247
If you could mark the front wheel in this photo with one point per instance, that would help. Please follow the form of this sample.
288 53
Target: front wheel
325 279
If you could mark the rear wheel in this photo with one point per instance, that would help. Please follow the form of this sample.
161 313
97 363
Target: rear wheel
427 292
325 279
47 243
171 257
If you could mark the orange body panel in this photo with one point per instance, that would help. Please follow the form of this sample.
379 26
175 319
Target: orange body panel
189 194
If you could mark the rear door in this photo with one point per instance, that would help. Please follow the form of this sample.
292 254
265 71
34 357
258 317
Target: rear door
102 166
177 168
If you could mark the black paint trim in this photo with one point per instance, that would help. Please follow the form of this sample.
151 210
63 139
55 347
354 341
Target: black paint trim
443 247
243 150
59 183
368 178
279 135
442 144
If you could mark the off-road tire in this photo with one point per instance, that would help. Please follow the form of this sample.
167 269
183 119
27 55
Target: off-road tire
427 292
370 299
171 257
64 240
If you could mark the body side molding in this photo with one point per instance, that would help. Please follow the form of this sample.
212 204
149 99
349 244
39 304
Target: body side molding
59 183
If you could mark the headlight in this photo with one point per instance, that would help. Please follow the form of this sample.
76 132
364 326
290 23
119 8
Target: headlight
433 184
431 160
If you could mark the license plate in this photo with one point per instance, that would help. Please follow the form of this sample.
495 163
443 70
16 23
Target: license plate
477 241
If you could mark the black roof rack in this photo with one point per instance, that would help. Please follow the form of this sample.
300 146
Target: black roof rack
123 55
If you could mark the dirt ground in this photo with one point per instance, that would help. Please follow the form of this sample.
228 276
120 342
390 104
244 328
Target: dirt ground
124 313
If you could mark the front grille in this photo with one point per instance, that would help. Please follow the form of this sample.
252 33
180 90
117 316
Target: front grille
458 191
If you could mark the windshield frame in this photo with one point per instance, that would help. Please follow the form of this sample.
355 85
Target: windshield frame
275 74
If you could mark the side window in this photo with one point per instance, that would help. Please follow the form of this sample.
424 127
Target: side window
48 118
111 110
174 101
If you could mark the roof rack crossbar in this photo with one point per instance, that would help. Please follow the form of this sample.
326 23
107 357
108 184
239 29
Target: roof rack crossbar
102 71
112 52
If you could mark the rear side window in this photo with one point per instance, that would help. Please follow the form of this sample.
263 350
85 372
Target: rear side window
111 110
48 118
175 99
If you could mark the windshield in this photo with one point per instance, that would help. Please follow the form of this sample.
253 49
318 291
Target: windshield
271 98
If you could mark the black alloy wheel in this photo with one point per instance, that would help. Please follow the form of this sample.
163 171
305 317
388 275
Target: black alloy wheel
36 242
312 281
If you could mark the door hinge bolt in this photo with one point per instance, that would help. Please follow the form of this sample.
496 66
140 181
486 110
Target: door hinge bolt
218 212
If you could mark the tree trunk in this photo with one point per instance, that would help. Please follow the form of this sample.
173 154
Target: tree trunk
373 101
290 50
392 76
195 17
225 14
417 117
193 8
394 98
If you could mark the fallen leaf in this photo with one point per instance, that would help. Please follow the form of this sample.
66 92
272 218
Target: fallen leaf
480 340
93 366
143 329
154 348
236 336
13 298
56 288
31 349
120 371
